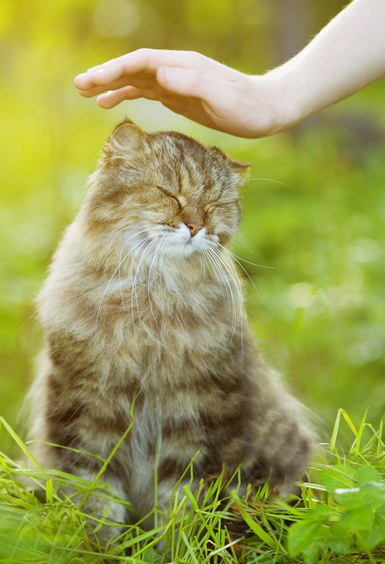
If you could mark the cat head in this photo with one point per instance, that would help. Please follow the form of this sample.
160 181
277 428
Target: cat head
163 189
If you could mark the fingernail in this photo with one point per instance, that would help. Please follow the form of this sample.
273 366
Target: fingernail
99 71
170 75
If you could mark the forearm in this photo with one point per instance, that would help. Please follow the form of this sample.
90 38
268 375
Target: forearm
348 54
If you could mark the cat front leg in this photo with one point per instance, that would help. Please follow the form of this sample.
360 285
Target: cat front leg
100 496
83 432
100 507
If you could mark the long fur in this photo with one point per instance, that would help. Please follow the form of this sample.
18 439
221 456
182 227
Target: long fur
137 299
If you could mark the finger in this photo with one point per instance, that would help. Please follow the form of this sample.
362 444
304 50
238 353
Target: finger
148 84
216 93
148 61
190 108
83 81
220 101
113 98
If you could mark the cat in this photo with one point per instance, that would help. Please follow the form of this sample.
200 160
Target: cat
142 300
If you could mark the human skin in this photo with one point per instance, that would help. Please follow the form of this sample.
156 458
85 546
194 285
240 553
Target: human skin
347 55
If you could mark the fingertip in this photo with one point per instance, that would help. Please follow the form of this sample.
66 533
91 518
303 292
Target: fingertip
78 80
104 101
82 92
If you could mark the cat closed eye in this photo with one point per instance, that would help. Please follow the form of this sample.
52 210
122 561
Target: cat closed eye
210 208
169 194
165 191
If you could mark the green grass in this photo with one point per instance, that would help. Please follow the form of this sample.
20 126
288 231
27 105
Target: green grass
338 517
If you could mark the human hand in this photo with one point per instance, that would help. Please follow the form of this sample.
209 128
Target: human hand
347 55
194 86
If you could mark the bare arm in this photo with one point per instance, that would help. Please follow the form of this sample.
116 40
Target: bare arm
348 54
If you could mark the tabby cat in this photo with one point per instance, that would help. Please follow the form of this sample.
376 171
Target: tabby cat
142 299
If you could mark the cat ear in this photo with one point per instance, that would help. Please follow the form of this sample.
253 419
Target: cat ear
242 168
126 139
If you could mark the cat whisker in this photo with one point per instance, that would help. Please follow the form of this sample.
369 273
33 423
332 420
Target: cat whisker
118 267
113 237
133 290
244 260
229 291
269 180
239 237
148 285
203 257
132 236
163 253
217 269
115 271
237 317
244 270
34 314
120 280
123 230
162 243
229 267
120 262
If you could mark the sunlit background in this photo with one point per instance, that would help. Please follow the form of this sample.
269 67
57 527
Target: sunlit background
314 207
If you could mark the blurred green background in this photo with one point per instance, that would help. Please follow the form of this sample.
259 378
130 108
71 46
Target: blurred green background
318 220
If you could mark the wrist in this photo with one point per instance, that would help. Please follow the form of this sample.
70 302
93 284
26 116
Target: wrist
282 104
295 95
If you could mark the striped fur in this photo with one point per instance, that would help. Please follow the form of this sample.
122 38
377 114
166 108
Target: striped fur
133 302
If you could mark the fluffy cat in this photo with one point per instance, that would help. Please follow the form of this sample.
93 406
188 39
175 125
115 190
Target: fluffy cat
141 295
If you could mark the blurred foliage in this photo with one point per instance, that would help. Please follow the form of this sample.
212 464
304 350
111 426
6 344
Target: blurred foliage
318 221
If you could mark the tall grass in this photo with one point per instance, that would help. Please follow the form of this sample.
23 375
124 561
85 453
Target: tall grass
339 515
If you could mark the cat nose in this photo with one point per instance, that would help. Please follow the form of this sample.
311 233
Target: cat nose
194 228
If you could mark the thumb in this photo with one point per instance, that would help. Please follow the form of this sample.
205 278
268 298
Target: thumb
189 82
